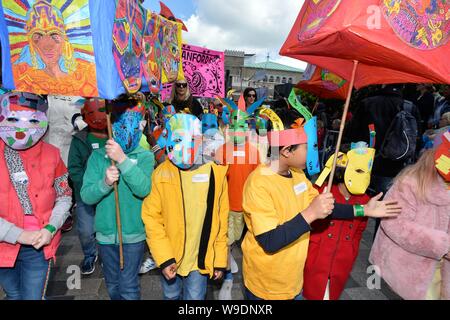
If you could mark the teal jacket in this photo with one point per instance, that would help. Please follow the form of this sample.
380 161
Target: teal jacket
79 152
134 186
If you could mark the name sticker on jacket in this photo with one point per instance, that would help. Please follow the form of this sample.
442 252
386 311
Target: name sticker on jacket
300 188
20 177
239 154
200 178
95 146
134 161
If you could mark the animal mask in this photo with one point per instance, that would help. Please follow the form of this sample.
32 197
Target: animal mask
357 164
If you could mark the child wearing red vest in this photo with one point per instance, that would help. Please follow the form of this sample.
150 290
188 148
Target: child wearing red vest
34 194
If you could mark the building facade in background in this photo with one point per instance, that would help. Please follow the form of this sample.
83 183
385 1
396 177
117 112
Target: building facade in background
241 71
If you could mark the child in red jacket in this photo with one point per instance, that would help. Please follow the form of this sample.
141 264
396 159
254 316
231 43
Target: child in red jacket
334 244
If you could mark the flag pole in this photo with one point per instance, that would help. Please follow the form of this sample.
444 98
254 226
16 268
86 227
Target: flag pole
341 129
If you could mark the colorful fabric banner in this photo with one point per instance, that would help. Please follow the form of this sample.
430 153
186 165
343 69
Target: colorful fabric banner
204 72
147 47
50 45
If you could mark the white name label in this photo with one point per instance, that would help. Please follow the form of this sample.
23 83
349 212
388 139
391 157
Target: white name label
20 177
200 178
239 154
134 161
300 188
95 146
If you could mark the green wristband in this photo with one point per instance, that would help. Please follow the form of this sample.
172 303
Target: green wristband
50 228
359 210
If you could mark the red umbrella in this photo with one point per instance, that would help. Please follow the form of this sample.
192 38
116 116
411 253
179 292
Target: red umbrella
374 41
323 83
394 41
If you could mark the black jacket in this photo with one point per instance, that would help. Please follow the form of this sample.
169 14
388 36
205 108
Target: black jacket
381 111
191 103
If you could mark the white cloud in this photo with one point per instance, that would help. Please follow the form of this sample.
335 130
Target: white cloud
254 26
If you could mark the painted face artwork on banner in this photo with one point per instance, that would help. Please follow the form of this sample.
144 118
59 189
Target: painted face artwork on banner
184 141
172 68
94 113
129 25
422 24
146 47
312 157
126 126
357 164
50 44
23 121
152 52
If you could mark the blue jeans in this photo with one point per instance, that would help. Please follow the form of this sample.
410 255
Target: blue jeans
122 284
192 287
27 280
251 296
85 225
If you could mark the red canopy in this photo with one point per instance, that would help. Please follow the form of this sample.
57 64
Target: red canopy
323 83
395 41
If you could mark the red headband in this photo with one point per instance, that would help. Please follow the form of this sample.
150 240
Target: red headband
287 137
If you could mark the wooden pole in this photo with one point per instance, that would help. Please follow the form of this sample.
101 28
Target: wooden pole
316 105
116 189
341 130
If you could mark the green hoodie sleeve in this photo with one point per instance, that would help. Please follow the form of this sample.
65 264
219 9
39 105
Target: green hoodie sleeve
138 176
94 187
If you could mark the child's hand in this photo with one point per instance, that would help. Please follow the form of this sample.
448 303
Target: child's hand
170 272
114 151
382 209
218 274
320 208
111 175
43 240
29 237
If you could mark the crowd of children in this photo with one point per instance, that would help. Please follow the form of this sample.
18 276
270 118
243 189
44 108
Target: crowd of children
214 176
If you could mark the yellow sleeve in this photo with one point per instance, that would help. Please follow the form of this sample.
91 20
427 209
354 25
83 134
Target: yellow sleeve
312 192
258 205
221 244
157 239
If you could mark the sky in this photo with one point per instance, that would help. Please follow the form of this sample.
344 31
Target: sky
253 26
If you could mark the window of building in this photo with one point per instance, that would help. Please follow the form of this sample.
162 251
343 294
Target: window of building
290 80
271 79
284 80
265 79
278 79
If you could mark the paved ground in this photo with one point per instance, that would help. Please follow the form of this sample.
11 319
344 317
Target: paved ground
93 286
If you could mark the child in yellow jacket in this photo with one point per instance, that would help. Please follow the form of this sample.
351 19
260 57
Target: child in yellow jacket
186 214
280 204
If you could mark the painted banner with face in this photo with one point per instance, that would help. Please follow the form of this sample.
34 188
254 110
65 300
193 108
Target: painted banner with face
61 47
204 71
146 47
48 47
23 121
